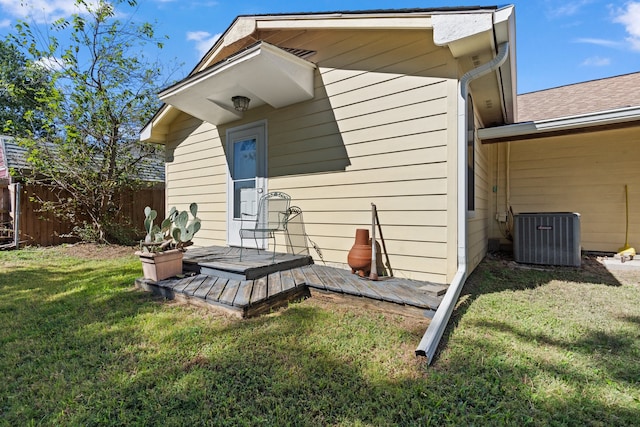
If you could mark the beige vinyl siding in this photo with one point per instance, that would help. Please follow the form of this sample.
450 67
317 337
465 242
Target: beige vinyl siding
478 221
497 198
372 134
198 172
583 173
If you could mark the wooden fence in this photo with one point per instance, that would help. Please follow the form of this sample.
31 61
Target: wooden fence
42 228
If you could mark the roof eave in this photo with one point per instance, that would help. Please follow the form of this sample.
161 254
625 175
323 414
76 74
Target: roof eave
474 39
244 27
570 124
264 73
505 31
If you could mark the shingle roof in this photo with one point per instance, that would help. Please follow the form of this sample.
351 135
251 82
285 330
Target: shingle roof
150 170
407 10
580 98
14 155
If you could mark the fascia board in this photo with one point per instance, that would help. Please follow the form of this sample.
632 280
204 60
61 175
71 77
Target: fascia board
157 128
240 28
561 124
203 75
339 22
463 33
505 31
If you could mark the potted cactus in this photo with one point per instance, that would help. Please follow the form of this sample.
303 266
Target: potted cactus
162 249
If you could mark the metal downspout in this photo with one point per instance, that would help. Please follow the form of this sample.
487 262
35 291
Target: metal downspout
434 332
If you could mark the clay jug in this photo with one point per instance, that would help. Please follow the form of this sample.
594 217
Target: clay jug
359 257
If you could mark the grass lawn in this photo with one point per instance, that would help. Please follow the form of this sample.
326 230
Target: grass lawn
80 346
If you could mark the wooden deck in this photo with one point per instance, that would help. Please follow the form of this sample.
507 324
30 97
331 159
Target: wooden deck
247 297
225 262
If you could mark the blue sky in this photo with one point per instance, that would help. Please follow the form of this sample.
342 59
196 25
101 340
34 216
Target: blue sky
558 42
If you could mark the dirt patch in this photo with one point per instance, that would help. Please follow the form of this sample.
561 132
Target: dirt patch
594 268
94 250
410 318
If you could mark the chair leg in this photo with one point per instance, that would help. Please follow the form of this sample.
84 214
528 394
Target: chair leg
255 239
273 258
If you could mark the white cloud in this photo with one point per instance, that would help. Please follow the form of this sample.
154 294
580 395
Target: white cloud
51 63
629 16
4 23
558 8
599 42
204 40
596 61
42 11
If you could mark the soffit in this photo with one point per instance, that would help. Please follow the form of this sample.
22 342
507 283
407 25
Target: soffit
264 73
473 39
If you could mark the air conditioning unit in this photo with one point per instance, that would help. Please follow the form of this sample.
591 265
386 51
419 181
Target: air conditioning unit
551 238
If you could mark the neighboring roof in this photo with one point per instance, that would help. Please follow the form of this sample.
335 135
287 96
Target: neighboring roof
609 103
151 170
581 123
14 155
580 98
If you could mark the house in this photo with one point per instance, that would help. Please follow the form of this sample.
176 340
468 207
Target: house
345 109
414 110
7 191
19 213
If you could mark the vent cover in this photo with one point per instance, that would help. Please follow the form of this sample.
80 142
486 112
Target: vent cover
547 238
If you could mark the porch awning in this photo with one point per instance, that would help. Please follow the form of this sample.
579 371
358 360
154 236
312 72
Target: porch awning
264 73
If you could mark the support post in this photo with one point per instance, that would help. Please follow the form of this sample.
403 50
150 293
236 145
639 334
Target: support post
374 262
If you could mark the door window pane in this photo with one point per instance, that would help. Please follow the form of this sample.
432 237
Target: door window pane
244 159
244 174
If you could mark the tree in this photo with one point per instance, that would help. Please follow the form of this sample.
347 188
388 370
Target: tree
105 92
23 91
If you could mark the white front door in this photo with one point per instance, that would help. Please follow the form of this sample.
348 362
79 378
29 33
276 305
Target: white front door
247 177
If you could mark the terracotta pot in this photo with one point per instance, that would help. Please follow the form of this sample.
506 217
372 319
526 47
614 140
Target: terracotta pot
359 257
161 265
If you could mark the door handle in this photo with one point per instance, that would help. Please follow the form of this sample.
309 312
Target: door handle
260 190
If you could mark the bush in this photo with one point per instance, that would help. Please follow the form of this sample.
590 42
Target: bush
116 233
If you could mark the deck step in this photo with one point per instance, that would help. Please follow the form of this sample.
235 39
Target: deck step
225 262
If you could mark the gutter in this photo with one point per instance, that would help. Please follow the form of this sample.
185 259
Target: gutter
577 123
429 343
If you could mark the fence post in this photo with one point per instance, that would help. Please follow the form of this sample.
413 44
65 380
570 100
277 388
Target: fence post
16 216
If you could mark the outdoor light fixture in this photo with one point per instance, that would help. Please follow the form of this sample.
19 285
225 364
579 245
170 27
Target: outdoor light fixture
240 103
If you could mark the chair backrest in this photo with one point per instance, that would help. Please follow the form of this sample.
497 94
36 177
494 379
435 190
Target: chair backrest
273 210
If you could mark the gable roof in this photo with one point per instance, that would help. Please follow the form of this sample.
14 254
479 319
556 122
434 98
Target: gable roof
217 50
15 157
472 34
580 98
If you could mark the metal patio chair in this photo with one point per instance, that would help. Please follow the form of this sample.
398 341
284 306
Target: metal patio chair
271 217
